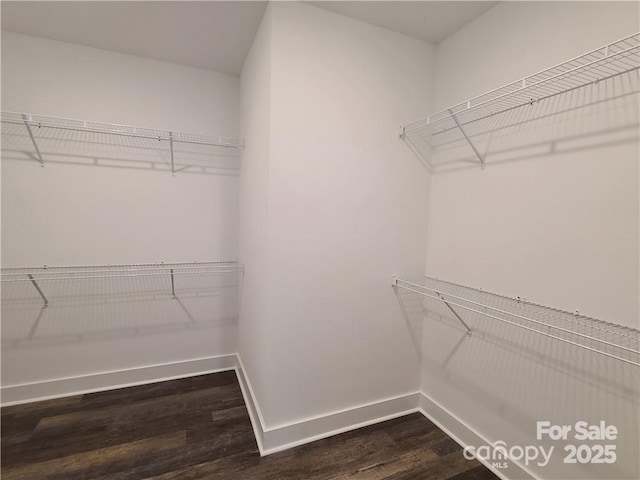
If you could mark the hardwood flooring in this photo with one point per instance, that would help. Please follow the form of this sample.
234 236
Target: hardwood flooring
198 428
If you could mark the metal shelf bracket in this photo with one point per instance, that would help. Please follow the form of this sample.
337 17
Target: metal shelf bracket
455 313
464 134
394 284
173 169
25 118
37 287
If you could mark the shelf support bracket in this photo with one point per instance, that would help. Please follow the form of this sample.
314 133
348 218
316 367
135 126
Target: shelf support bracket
25 119
473 147
455 313
173 170
37 287
394 284
173 285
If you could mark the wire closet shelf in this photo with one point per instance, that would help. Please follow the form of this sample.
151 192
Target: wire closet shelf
479 115
39 277
609 339
170 146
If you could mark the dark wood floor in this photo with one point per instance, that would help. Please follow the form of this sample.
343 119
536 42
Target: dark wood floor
198 428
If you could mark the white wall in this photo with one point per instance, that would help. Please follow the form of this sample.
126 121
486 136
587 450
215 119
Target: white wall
559 227
501 240
100 205
255 115
346 208
171 218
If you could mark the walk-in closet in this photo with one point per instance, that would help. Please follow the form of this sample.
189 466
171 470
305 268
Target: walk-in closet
320 240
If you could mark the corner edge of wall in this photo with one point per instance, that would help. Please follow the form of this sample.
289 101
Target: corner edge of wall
465 436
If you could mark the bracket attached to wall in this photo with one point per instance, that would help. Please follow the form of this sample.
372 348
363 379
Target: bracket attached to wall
173 168
37 287
464 134
26 119
394 284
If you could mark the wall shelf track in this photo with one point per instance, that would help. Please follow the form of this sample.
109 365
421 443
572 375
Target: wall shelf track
471 121
609 339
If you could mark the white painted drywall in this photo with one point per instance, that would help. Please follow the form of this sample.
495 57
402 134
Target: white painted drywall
255 115
346 208
73 212
558 228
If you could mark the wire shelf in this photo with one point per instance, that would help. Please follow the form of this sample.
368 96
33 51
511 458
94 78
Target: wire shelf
48 282
46 136
609 339
524 99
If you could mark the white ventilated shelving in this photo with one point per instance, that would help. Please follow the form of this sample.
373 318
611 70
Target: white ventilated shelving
46 137
608 72
49 283
604 338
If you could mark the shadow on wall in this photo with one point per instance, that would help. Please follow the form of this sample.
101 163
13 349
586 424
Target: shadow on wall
413 313
596 115
511 378
102 308
95 149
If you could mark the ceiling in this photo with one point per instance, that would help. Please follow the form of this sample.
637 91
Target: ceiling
431 21
215 35
212 35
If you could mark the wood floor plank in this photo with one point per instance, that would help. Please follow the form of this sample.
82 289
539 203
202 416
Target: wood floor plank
92 463
406 462
84 430
478 473
222 468
199 428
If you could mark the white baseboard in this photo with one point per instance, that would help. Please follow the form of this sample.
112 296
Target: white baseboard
272 439
464 435
97 382
252 407
283 437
